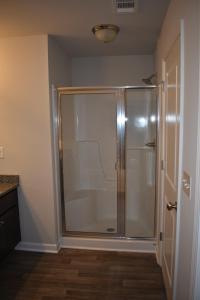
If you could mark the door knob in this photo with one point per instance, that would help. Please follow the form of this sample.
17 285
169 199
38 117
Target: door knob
150 144
171 206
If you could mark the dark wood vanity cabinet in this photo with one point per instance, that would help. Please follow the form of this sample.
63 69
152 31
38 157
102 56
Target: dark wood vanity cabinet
9 222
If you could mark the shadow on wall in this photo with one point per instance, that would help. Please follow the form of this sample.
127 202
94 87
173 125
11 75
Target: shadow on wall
31 224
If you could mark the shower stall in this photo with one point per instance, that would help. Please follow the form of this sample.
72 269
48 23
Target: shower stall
107 151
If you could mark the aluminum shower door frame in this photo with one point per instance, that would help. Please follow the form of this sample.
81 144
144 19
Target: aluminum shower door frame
119 93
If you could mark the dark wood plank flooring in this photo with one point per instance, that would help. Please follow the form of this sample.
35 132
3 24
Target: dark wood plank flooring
80 275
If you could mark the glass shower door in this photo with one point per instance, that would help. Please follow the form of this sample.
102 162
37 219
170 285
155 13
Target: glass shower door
140 163
89 155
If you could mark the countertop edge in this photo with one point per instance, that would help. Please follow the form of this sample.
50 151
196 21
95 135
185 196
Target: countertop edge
12 187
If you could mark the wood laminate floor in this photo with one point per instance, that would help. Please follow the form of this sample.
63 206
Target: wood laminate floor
80 275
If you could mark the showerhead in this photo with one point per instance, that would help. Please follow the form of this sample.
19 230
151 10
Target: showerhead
151 80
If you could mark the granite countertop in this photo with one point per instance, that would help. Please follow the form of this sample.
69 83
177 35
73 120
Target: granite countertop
8 183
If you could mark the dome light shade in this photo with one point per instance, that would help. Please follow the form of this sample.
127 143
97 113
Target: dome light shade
105 32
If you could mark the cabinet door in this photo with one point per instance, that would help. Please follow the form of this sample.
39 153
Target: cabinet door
7 201
9 230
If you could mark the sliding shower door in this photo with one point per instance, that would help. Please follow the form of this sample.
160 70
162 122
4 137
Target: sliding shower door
88 151
140 162
107 145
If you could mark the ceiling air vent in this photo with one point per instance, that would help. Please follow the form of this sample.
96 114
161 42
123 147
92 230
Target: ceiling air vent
125 6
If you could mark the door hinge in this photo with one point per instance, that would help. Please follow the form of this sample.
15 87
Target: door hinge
162 165
161 236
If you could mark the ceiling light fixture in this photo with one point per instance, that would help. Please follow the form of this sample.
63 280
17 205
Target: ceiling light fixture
105 32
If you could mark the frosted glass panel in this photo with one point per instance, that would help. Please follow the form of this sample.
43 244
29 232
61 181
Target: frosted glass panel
89 157
140 163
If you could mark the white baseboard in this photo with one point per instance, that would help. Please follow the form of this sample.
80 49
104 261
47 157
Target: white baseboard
91 244
38 247
147 246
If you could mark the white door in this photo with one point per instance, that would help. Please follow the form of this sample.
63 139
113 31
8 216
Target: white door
171 162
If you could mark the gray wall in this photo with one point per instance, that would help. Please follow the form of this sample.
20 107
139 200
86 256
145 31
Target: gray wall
111 70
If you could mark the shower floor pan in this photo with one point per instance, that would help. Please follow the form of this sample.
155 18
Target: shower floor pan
134 229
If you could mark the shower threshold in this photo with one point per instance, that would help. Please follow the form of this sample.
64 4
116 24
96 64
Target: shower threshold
106 243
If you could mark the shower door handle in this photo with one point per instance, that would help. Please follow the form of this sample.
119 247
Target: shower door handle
171 206
151 144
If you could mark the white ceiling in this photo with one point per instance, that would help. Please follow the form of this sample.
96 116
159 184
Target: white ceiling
71 22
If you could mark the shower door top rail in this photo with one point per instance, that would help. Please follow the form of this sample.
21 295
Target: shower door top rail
100 89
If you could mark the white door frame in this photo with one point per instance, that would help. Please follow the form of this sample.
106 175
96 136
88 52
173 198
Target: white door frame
195 268
160 177
161 155
195 285
180 171
56 166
